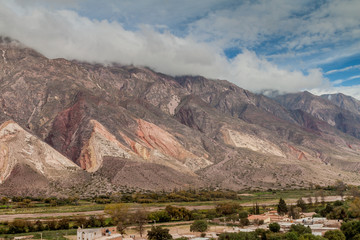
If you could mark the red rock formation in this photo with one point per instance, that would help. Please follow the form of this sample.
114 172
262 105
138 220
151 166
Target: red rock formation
155 137
298 153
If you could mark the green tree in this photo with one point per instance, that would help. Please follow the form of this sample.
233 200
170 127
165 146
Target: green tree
334 235
291 236
340 188
325 211
261 234
120 215
4 200
310 201
309 236
140 218
355 208
356 237
233 217
51 225
301 204
63 224
274 227
244 222
178 213
354 192
199 226
39 226
238 236
159 216
17 227
158 233
350 229
299 229
282 207
81 222
294 212
227 208
243 214
91 222
338 213
30 226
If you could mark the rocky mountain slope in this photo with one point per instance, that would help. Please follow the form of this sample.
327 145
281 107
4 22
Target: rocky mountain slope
337 114
106 128
345 102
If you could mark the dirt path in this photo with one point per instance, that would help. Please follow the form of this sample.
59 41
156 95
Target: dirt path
11 217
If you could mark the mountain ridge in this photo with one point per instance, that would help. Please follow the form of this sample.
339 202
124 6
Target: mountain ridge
131 127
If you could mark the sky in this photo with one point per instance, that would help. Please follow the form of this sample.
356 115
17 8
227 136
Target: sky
281 45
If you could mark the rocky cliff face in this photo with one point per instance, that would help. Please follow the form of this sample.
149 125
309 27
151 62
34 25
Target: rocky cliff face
116 126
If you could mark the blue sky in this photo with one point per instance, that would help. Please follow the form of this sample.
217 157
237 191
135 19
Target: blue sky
259 45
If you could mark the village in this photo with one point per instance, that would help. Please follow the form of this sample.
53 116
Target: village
318 226
311 218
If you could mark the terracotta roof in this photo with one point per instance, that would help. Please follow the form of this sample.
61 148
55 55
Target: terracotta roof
259 217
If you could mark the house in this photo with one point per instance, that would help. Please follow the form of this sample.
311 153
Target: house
98 234
264 217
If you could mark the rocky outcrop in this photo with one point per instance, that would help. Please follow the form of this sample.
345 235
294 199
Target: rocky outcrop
101 144
158 139
27 157
252 142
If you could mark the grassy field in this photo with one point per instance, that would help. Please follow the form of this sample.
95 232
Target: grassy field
59 234
87 206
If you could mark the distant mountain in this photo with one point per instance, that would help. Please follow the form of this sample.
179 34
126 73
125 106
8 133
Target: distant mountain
110 128
345 102
336 115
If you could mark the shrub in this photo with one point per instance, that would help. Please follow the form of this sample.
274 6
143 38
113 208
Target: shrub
159 216
274 227
199 226
350 229
159 233
299 229
243 214
334 235
244 222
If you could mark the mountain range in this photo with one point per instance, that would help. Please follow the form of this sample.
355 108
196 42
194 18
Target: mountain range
70 127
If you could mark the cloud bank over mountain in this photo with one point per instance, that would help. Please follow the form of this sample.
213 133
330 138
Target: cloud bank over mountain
61 29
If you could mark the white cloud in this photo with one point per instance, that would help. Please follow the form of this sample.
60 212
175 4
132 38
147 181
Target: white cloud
343 69
63 33
353 91
296 34
353 77
249 23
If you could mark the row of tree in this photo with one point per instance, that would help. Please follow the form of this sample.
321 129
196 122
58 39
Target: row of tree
336 210
23 226
189 195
